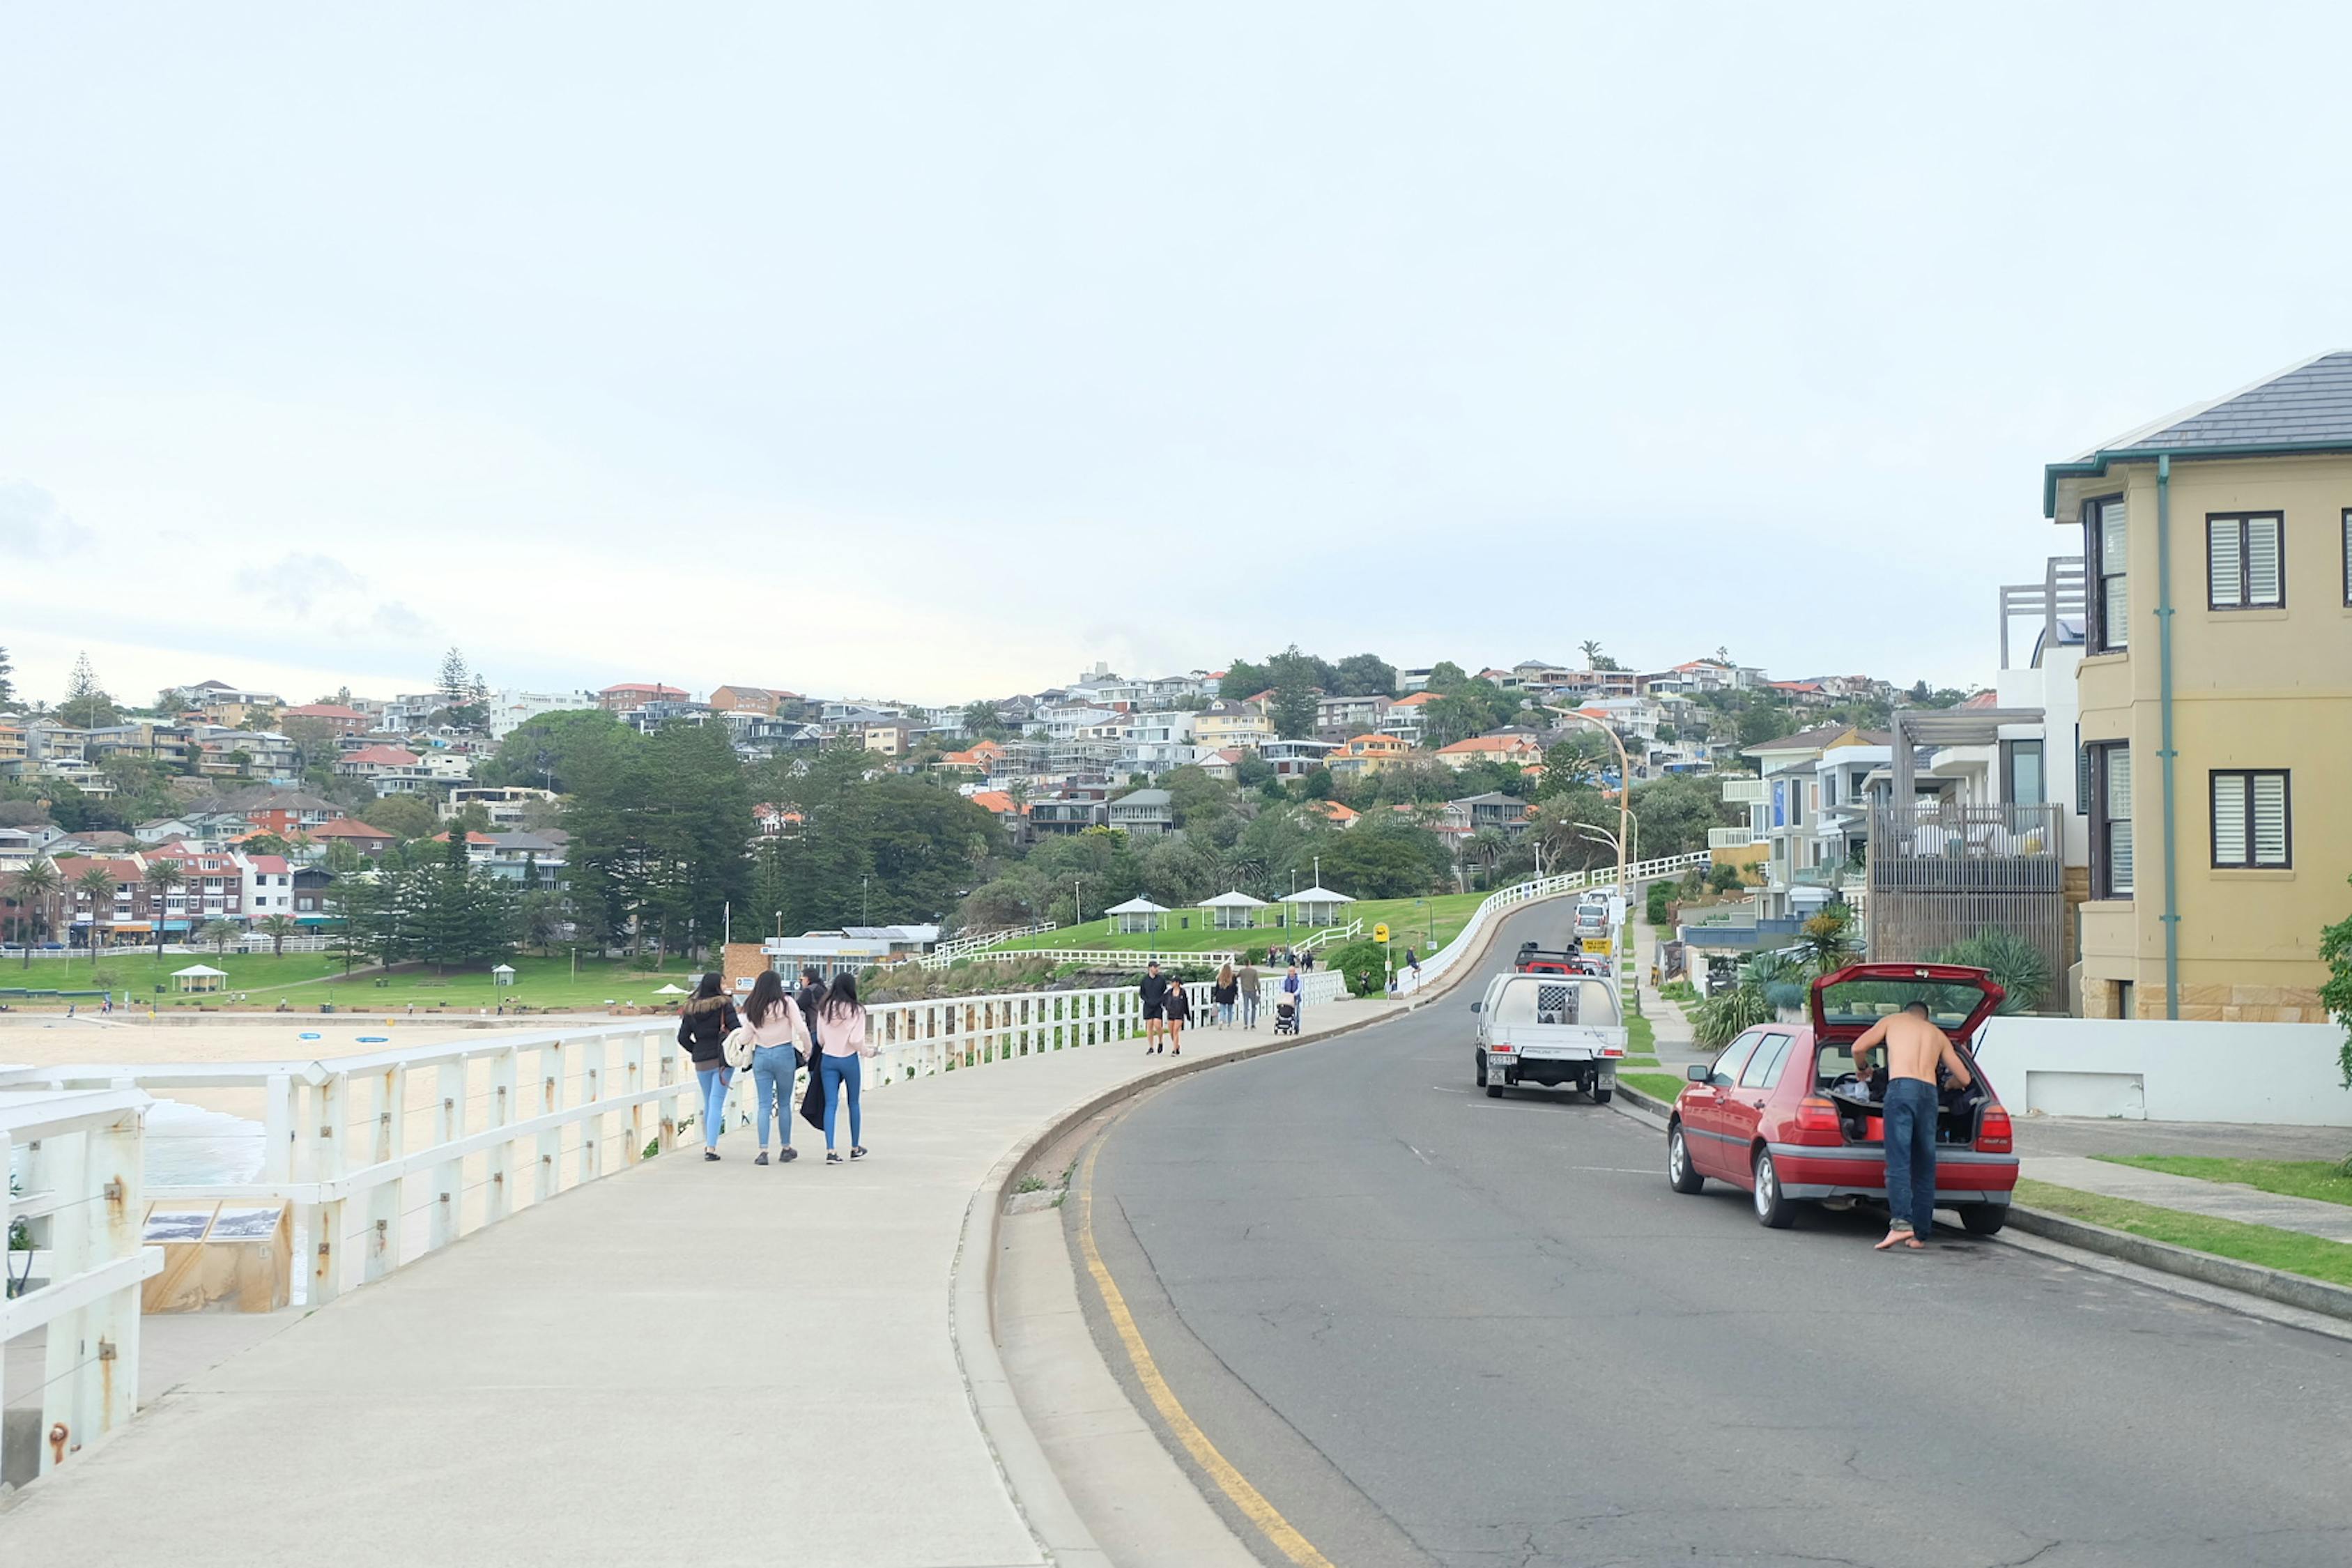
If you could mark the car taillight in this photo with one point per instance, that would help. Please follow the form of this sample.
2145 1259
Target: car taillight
1499 1050
1993 1132
1817 1121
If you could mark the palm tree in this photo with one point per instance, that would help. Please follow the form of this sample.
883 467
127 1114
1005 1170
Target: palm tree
1487 845
278 928
160 876
220 933
35 885
97 884
1591 648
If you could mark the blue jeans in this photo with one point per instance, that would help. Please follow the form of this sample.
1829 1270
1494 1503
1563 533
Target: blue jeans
1249 1009
845 1073
714 1103
1910 1132
773 1068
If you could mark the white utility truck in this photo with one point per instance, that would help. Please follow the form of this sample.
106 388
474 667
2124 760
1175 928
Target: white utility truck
1557 1031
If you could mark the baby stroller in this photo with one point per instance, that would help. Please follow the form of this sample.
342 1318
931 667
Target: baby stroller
1285 1017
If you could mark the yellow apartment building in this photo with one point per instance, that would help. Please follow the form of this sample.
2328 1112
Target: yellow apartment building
2216 686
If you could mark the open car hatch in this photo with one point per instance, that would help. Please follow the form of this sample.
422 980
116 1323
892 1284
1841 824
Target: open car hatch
1848 1001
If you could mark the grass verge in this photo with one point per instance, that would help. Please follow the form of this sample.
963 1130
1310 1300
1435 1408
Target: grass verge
1657 1085
2287 1250
1641 1037
2288 1178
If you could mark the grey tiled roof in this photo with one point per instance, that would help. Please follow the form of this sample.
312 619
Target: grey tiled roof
2309 404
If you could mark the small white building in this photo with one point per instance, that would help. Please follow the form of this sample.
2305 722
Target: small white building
1235 910
1316 906
1138 914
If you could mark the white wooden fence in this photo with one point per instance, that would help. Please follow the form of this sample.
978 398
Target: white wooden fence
1469 941
75 1155
390 1155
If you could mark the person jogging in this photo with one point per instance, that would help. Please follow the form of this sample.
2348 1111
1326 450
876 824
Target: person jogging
703 1025
1154 992
781 1044
1915 1049
841 1020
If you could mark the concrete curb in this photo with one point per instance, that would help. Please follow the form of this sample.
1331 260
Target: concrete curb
2250 1278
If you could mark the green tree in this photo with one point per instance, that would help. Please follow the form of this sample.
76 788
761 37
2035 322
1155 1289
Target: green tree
220 933
1444 676
1826 941
1243 678
1363 675
1592 650
404 817
36 889
7 687
97 885
278 928
983 719
1383 860
2335 994
1677 812
160 876
87 706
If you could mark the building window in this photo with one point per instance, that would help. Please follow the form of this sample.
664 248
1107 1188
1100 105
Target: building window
2244 564
2104 542
2347 555
2111 820
2021 773
2251 823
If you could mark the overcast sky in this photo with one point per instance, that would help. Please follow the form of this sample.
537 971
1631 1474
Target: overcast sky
934 351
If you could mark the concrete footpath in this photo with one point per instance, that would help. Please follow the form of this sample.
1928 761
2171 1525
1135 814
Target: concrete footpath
2191 1195
714 1364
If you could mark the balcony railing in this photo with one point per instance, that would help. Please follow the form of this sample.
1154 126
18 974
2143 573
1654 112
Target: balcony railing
1745 792
1939 876
1734 837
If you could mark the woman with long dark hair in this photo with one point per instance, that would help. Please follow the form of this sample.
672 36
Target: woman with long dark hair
1180 1012
780 1048
703 1025
842 1027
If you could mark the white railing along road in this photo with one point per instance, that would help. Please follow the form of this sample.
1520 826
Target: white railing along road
1472 937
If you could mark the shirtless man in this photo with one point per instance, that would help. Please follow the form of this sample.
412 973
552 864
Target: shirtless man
1915 1049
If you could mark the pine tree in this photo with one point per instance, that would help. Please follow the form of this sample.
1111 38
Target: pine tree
456 679
87 706
7 690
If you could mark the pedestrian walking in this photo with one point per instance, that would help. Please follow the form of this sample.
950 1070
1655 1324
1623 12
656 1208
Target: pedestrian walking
1154 992
781 1044
1307 959
1245 984
1916 1050
1224 993
703 1025
1294 991
1179 1007
840 1024
811 998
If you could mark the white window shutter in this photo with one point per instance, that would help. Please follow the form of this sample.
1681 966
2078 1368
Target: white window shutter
2263 560
2222 546
2228 819
2270 819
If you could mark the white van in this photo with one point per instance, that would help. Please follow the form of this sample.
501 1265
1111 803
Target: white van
1554 1031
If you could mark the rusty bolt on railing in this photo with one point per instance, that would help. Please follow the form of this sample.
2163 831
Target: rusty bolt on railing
57 1435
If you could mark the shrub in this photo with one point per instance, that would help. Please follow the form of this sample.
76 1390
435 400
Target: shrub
1717 1020
1724 879
2016 965
1365 964
1657 900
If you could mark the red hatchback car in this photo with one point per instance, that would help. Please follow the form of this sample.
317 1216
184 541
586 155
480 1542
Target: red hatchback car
1782 1113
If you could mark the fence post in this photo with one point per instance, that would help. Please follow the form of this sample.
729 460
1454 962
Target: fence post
668 1102
591 1126
448 1216
633 1078
546 1176
382 1253
328 1110
277 1129
498 1196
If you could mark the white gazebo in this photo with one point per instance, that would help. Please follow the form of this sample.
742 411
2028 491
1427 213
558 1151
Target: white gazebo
200 977
670 991
503 977
1233 912
1138 914
1316 906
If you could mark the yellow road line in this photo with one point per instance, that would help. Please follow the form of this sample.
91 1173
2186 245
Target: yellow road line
1231 1481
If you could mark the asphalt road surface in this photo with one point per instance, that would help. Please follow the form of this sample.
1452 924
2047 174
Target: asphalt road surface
1430 1327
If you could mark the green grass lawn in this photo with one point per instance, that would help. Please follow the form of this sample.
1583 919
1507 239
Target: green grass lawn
305 980
2289 1178
1641 1037
1658 1086
2289 1250
1409 923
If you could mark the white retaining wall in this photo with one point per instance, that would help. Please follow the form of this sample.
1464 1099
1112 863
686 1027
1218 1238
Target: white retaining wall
2158 1071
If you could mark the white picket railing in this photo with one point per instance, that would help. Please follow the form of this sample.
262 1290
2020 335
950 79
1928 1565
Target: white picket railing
394 1154
1472 937
77 1157
957 947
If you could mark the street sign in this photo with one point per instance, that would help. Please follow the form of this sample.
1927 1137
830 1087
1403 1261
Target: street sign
1381 934
1597 945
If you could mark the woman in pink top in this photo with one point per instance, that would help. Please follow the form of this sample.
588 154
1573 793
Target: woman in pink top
780 1048
842 1027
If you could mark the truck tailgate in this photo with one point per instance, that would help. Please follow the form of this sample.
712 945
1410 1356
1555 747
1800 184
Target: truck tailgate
1556 1042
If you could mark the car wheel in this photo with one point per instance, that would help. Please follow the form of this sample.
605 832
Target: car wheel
1984 1219
1773 1209
1681 1175
1603 1096
1494 1088
1482 1069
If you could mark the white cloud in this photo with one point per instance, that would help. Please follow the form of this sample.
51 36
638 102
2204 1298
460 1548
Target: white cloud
322 593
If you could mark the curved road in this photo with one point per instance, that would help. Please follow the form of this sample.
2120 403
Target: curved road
1430 1327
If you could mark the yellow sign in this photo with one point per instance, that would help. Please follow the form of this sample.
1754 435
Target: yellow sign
1380 934
1597 944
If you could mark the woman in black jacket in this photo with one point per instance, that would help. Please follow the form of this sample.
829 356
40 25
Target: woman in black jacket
1180 1012
703 1025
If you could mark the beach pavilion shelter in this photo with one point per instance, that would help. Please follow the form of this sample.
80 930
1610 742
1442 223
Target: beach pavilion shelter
1138 914
1316 906
200 977
1232 912
503 975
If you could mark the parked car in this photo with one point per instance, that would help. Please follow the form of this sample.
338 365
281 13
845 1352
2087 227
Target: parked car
1548 1030
1534 960
1781 1113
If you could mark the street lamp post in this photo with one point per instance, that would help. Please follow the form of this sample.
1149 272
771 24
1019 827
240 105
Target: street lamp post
1624 787
864 906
